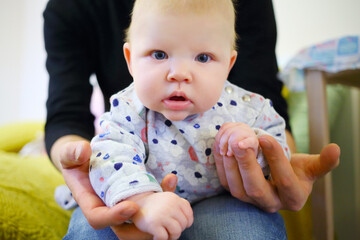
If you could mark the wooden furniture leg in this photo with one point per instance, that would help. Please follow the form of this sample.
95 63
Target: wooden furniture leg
322 201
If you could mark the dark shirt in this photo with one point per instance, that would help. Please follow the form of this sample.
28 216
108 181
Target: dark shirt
85 37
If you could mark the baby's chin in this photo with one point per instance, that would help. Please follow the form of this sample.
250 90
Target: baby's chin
174 118
178 116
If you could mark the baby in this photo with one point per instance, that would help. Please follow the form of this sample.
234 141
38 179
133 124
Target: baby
179 53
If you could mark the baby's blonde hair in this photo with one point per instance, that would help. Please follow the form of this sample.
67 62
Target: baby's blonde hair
224 7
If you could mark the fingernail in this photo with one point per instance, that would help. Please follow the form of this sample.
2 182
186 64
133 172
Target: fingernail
128 212
265 144
78 152
172 183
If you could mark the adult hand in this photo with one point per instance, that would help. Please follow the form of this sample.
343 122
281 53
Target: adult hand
291 181
74 160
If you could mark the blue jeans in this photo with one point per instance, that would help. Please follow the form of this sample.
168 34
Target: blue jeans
220 217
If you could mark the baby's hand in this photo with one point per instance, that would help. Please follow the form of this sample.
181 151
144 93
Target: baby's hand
163 214
236 135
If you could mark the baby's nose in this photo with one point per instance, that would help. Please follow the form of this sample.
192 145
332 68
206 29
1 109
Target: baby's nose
180 71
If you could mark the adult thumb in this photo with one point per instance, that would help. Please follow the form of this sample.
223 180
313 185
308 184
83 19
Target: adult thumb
75 154
168 184
330 157
328 160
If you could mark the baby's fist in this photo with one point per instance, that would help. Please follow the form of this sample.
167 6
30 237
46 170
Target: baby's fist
165 215
235 138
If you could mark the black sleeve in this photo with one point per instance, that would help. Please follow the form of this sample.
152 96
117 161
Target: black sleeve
69 68
256 66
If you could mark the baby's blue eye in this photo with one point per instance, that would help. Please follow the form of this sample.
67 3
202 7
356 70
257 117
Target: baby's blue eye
159 55
203 58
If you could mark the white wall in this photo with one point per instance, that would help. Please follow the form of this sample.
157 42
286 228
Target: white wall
307 22
23 78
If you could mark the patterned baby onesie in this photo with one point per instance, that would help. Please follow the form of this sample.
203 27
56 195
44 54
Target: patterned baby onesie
139 147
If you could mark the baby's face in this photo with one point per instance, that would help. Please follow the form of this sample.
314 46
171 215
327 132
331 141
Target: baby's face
179 63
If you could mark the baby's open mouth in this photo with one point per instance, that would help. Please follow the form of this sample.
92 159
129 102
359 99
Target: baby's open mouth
177 98
177 101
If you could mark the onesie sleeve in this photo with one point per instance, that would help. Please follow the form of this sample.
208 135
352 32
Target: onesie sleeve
117 164
269 122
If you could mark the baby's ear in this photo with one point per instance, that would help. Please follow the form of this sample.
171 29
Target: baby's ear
233 57
127 54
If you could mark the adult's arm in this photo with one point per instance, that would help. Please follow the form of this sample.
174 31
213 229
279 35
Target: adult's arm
69 68
69 124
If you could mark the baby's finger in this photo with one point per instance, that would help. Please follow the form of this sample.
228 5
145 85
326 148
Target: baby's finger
225 148
174 229
220 136
225 127
188 213
160 233
223 144
248 143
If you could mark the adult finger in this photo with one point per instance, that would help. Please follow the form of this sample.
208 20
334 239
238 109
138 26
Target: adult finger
75 154
254 182
168 184
328 160
219 163
97 214
130 232
101 216
291 191
234 179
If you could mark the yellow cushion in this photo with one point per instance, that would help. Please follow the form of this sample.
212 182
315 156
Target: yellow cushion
27 206
15 135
